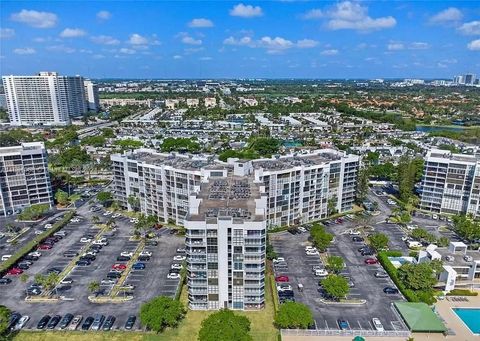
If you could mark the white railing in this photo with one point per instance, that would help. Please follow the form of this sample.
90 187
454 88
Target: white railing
349 332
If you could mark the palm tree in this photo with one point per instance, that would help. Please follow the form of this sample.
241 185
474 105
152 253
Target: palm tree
93 286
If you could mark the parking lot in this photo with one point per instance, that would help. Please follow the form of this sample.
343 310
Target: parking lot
366 286
148 283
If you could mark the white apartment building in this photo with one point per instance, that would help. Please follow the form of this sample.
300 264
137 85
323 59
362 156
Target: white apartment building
91 96
225 243
300 187
24 177
210 102
192 102
451 183
44 99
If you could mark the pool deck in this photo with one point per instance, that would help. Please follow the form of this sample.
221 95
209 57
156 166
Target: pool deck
452 321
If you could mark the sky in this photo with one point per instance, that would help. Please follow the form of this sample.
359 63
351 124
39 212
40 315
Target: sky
223 39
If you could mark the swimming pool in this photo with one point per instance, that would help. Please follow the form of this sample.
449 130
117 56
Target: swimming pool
471 317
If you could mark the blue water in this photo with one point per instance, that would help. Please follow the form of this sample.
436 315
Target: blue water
471 317
426 129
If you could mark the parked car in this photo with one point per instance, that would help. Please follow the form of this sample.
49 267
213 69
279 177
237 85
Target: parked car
143 258
109 323
35 254
390 290
146 253
83 263
381 274
320 273
43 322
54 321
284 286
138 266
75 322
377 324
45 247
66 321
30 258
278 260
85 240
98 321
13 320
312 253
173 275
114 275
119 266
14 271
70 254
343 324
371 261
5 281
21 322
467 258
123 259
87 323
130 322
108 281
23 266
357 239
281 279
179 258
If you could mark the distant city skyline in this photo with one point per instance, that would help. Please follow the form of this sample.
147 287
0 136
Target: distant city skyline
285 39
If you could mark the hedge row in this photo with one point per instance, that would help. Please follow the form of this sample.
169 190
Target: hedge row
462 292
27 248
382 257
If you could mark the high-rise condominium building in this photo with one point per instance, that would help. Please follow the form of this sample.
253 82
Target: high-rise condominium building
44 99
225 243
451 183
300 187
91 96
24 177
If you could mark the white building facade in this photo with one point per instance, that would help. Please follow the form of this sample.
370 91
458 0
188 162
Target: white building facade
24 177
300 188
91 96
44 99
451 183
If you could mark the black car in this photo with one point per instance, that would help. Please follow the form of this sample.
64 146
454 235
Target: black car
114 274
390 290
89 258
23 266
357 239
293 231
87 323
4 281
43 322
123 259
109 322
66 321
143 258
286 293
34 291
30 257
53 322
130 322
96 247
83 263
14 317
54 270
151 243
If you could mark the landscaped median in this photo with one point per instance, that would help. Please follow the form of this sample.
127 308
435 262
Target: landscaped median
29 247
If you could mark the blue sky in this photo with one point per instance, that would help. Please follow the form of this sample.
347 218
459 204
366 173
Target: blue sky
199 39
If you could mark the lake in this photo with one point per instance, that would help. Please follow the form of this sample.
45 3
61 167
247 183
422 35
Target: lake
428 129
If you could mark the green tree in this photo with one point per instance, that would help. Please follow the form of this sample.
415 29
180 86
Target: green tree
145 224
180 144
418 233
226 326
161 312
4 319
362 185
61 197
293 315
332 205
466 227
34 212
378 241
24 278
417 276
104 197
95 219
335 264
134 202
320 238
443 241
93 286
335 286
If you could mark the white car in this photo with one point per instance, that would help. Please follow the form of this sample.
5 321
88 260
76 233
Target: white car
284 287
354 232
279 259
37 232
377 324
48 226
309 247
176 266
21 322
66 280
102 242
467 258
146 253
75 220
35 254
107 213
179 258
60 233
108 281
134 220
320 273
6 257
435 217
85 240
173 275
302 229
116 215
412 227
312 253
126 254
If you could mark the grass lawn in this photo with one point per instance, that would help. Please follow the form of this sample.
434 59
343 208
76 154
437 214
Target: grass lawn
78 336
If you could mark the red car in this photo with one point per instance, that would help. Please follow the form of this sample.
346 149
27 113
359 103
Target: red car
281 279
15 271
119 266
371 261
44 247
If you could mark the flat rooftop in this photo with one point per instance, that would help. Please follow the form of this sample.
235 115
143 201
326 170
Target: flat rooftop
232 196
178 161
454 157
285 162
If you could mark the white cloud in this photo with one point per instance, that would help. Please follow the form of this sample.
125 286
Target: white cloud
72 33
35 18
446 16
137 39
275 45
200 23
26 50
105 40
419 46
470 28
104 15
246 11
245 41
177 56
6 33
306 43
395 46
349 15
125 50
191 41
314 14
60 48
331 52
474 45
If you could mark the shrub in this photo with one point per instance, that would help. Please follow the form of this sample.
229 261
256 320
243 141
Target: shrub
225 325
462 292
161 312
294 315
